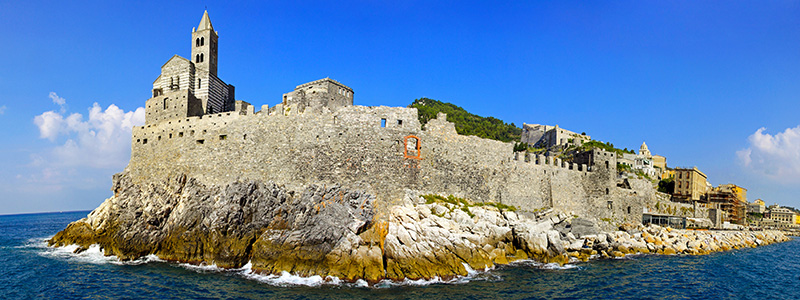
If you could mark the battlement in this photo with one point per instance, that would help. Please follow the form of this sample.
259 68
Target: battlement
539 159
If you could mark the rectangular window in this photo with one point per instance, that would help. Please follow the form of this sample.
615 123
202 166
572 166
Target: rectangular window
200 142
144 142
400 122
383 122
223 137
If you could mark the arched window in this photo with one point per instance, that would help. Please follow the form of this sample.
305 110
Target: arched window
201 57
412 147
197 58
197 43
199 81
202 41
165 103
606 191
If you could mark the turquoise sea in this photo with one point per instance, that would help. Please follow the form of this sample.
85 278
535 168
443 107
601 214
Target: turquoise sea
30 270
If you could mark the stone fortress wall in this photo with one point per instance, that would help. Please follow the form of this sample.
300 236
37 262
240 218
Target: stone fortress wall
374 149
317 136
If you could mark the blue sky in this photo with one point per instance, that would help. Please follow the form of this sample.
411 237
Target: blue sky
696 80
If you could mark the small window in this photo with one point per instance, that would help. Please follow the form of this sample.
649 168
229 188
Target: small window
400 122
606 191
223 137
610 205
180 134
245 136
202 41
197 43
170 135
200 142
383 122
629 209
144 142
159 137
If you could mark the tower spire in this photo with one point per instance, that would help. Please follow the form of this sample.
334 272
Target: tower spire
205 22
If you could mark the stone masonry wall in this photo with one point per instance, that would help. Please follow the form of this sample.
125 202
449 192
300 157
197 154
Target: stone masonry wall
350 147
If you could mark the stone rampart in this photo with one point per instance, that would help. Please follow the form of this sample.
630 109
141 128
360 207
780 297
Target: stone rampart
374 149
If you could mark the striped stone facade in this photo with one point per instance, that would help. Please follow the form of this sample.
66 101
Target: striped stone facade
195 77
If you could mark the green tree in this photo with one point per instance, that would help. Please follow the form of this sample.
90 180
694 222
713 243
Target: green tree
666 186
465 122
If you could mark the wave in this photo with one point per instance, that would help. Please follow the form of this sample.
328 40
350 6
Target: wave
546 266
94 255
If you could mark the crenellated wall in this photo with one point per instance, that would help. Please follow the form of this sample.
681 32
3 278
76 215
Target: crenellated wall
373 148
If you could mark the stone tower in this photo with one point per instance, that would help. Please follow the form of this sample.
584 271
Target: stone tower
215 94
204 46
644 152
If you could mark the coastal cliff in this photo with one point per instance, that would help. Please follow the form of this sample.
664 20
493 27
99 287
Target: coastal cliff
333 231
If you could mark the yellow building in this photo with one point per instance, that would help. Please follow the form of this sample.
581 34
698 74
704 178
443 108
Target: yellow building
690 185
660 162
760 202
668 174
797 219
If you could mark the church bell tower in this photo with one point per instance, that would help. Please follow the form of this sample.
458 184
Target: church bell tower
204 46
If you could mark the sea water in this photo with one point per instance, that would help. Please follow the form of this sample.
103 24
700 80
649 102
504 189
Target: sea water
29 269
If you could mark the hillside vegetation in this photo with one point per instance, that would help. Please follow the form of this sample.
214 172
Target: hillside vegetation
467 123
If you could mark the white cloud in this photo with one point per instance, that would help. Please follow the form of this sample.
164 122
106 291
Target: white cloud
50 124
103 141
60 101
776 156
2 109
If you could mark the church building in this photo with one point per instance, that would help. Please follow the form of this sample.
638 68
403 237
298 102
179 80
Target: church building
190 87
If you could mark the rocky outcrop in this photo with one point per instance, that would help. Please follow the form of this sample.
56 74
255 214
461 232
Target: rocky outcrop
333 231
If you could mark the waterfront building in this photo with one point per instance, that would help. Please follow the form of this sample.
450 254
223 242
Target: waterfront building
690 185
757 207
732 199
783 217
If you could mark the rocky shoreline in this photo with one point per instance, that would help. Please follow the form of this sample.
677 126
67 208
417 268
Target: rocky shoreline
333 231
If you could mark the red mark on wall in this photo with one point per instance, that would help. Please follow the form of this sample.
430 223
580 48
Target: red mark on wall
411 146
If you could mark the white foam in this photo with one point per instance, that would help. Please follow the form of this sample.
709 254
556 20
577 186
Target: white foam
92 255
202 268
286 279
547 266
